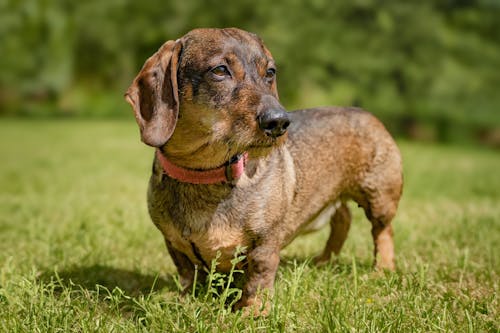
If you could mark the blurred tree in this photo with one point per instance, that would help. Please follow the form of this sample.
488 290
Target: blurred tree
428 62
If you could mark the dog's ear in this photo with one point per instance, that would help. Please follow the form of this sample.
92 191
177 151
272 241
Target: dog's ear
154 97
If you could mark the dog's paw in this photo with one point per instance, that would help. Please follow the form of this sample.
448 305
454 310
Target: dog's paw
253 307
385 265
322 260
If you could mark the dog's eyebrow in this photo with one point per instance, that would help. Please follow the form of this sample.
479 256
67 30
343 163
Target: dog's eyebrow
260 61
235 56
229 59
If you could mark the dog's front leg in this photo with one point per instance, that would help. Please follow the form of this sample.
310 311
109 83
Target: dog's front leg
263 263
185 268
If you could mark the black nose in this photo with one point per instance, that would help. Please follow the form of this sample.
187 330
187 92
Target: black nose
274 122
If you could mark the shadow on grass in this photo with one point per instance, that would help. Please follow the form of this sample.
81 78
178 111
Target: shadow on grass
132 283
135 284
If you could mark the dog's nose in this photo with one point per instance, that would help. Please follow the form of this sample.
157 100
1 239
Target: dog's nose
274 122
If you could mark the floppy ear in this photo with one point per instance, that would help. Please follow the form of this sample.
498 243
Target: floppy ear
154 97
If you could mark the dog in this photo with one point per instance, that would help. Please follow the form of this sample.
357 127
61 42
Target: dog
233 168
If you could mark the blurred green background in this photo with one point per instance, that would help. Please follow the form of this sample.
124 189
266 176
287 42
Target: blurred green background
429 69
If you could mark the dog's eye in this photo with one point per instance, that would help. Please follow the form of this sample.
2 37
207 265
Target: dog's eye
270 73
220 71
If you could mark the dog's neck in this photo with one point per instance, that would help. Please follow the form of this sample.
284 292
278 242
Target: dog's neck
226 173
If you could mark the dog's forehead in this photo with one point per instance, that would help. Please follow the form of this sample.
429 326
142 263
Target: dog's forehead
206 45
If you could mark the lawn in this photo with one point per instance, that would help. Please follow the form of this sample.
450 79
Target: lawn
79 253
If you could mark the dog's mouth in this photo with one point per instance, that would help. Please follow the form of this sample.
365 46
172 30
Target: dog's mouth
269 142
264 146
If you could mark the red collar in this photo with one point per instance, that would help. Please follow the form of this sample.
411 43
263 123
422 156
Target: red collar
226 173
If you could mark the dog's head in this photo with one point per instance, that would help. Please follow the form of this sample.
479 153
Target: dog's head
209 96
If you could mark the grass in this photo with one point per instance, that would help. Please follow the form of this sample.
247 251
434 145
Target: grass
78 252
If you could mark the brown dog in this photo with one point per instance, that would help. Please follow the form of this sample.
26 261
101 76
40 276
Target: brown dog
234 169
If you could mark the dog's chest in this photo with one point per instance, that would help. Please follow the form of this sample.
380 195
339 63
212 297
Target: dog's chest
216 240
201 229
202 221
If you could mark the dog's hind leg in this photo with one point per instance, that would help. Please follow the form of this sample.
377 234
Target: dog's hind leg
383 250
340 223
380 192
380 211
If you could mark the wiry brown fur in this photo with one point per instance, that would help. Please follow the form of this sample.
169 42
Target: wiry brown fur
290 185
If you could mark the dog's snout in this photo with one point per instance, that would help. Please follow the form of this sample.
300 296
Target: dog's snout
274 122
